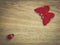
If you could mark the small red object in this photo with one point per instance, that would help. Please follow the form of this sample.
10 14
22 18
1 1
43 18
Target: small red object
10 36
45 14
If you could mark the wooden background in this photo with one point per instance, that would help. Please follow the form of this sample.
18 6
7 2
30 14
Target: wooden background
18 17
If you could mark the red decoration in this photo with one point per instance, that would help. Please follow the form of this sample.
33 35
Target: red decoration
45 14
10 36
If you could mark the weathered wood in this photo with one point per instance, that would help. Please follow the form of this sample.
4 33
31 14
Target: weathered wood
18 17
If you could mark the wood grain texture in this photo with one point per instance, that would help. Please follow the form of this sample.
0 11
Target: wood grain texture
18 17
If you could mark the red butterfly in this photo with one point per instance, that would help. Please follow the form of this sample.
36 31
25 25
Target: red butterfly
45 14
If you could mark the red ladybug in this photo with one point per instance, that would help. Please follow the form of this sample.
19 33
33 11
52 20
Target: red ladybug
10 36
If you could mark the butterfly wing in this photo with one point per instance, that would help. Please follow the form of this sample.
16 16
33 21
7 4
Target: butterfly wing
42 10
46 20
50 15
46 9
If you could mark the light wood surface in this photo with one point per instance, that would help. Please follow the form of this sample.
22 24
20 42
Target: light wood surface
18 17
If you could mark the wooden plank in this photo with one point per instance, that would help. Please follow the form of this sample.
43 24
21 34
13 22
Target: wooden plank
19 18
